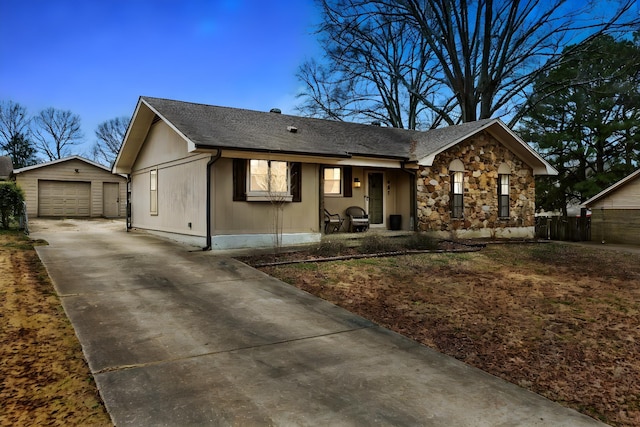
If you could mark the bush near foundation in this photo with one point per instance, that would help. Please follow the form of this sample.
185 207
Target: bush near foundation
11 199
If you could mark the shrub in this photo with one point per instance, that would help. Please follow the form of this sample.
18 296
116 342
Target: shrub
421 241
328 249
374 243
11 199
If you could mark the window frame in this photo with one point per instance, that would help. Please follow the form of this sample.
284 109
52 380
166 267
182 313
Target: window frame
268 195
457 198
341 182
153 192
504 199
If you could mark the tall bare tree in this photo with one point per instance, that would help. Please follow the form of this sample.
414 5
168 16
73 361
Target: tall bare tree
377 69
478 58
14 121
110 135
15 134
56 131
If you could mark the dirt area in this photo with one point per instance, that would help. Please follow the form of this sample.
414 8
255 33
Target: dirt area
560 320
44 379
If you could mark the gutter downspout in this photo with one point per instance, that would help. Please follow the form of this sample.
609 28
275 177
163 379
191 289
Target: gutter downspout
128 207
413 198
210 163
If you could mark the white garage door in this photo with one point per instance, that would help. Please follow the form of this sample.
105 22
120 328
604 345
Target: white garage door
66 199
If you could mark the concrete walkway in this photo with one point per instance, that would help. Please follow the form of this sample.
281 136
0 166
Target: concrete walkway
179 338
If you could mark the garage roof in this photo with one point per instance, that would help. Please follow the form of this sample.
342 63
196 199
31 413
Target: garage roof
65 159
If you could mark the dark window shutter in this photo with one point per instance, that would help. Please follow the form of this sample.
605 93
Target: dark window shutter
348 177
239 180
296 181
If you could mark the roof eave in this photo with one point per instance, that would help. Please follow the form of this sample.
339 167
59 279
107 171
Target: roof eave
62 160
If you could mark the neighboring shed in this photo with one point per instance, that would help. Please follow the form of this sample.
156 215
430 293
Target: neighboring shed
6 167
72 187
615 212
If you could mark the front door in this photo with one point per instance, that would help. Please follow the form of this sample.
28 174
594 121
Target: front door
376 214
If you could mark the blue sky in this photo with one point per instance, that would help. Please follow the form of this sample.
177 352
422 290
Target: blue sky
96 57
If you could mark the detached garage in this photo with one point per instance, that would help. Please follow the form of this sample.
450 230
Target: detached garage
72 187
615 212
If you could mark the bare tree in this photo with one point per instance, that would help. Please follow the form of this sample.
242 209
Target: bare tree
56 131
377 69
477 58
110 135
14 134
14 121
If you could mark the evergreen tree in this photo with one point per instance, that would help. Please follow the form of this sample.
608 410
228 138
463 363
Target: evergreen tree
588 129
21 151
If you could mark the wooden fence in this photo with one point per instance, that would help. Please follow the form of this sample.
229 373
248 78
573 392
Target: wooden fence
573 229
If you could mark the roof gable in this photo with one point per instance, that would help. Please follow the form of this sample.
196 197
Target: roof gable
208 128
613 188
65 159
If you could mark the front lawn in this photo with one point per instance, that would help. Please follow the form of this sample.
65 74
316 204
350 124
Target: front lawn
560 320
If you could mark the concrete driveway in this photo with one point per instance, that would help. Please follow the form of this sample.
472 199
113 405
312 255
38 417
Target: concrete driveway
177 337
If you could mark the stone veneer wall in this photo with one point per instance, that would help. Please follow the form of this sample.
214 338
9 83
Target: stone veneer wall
481 155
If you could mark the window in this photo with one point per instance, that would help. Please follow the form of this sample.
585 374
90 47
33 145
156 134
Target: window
267 176
457 194
503 195
153 191
333 181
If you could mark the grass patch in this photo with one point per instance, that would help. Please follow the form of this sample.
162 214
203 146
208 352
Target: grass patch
560 320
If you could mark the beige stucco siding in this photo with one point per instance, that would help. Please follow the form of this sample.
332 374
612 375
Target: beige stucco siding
162 145
181 195
65 172
181 184
233 217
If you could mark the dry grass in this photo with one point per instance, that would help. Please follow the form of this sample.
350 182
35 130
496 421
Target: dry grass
43 375
560 320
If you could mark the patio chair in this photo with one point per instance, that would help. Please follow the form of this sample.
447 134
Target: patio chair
332 222
358 219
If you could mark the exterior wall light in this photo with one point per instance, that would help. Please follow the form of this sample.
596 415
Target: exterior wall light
356 182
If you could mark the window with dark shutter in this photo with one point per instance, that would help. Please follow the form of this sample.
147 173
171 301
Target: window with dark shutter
239 180
296 181
348 177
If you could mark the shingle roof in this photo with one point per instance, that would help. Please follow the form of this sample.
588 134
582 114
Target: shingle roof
224 127
212 127
6 167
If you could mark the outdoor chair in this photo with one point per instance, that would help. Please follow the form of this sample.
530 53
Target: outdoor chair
332 222
358 219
